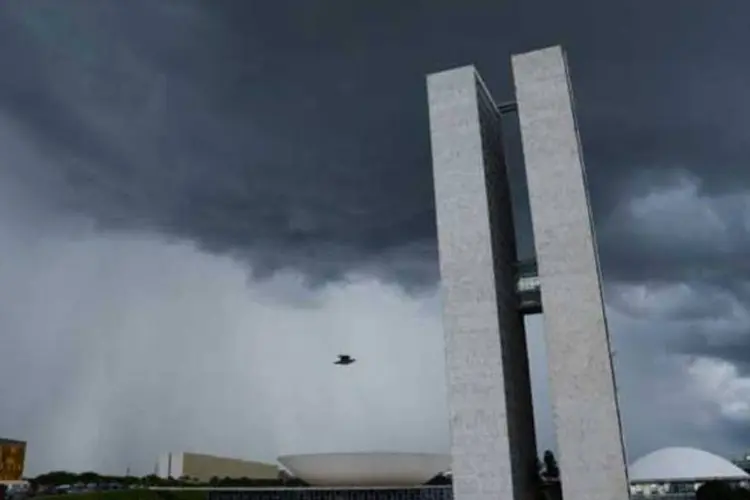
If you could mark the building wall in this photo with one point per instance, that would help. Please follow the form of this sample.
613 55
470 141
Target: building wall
491 417
12 459
204 467
162 466
520 415
422 493
169 465
584 399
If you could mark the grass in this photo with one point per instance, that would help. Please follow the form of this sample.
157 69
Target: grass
132 495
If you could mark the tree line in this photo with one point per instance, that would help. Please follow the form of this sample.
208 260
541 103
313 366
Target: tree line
59 478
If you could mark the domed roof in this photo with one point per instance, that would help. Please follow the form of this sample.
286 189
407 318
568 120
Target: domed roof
683 464
366 469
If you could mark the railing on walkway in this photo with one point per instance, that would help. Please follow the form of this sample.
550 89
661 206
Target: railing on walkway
528 287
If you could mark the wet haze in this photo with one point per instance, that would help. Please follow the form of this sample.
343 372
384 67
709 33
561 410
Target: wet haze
203 203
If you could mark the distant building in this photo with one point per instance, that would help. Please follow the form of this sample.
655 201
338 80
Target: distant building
12 458
201 467
676 473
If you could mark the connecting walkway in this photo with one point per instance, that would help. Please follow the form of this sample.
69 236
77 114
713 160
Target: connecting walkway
528 287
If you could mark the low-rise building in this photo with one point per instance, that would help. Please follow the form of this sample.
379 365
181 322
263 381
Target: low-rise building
202 467
677 473
12 458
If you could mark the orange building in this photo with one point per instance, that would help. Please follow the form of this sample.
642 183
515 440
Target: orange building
12 455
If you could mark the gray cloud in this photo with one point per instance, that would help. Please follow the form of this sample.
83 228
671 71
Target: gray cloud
673 399
125 346
676 232
274 175
202 203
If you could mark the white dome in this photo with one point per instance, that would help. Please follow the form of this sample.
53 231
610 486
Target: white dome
683 464
366 469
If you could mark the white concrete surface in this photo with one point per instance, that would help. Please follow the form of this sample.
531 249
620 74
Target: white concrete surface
489 397
676 464
366 469
582 386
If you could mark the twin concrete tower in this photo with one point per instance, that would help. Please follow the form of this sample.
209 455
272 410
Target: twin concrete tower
486 291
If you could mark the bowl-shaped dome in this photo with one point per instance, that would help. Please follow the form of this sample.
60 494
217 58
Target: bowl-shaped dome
366 469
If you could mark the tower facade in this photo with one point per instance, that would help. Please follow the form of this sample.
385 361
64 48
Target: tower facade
491 414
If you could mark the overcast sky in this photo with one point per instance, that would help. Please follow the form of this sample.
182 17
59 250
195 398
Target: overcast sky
202 203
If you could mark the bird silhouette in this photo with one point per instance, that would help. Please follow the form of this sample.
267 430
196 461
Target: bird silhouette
344 359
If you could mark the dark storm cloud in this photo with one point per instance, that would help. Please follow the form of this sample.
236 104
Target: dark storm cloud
299 135
241 146
294 135
734 349
685 301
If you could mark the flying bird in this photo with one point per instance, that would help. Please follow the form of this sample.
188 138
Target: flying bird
344 359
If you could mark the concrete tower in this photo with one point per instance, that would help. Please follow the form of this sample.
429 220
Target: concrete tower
486 291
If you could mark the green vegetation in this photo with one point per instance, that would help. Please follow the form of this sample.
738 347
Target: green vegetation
58 478
551 471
